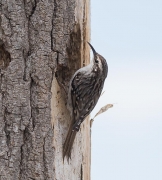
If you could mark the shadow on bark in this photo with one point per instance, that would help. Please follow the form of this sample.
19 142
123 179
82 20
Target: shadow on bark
73 60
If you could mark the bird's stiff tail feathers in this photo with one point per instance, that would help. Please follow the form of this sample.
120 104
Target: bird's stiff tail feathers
69 142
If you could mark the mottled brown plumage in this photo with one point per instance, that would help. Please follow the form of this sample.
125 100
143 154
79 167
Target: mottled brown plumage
84 91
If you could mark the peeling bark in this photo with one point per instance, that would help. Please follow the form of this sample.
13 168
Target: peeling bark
37 40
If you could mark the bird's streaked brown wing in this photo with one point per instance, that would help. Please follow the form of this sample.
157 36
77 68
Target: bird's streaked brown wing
85 93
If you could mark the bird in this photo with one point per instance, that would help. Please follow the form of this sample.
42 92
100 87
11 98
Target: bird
85 88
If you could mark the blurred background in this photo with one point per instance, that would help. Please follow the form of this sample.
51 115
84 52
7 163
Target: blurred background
127 139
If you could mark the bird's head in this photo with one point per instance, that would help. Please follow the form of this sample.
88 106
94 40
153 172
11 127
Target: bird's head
99 60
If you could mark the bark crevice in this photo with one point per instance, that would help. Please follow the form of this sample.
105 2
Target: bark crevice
6 130
33 9
5 57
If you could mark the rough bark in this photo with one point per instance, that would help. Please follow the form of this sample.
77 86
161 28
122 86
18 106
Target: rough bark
39 38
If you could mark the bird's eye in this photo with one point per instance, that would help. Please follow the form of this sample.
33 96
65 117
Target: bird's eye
96 60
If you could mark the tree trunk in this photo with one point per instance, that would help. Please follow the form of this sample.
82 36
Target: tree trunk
38 39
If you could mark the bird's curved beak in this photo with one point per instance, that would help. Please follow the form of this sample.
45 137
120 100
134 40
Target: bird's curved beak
94 52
